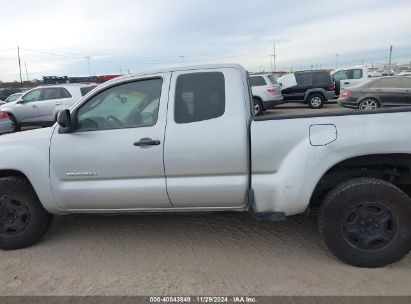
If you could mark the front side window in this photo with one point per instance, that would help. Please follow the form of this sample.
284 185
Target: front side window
129 105
199 96
256 81
51 93
341 75
32 96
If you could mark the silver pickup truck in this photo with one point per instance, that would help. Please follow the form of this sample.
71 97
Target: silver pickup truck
185 140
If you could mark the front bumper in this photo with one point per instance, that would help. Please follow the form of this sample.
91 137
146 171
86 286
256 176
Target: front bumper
6 126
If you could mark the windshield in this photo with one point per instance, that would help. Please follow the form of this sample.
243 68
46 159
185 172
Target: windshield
13 97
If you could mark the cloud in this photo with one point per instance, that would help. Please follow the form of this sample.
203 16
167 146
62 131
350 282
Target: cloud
139 35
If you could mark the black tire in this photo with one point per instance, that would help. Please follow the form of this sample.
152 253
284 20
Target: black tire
16 127
316 101
379 238
23 220
258 107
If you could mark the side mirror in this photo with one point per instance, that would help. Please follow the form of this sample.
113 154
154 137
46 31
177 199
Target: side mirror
20 101
65 122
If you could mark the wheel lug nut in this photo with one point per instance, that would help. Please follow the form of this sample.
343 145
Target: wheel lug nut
362 229
376 226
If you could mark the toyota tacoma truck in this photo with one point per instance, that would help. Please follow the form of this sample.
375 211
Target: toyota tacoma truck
186 140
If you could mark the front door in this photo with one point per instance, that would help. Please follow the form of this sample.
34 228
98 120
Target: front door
114 158
51 99
26 110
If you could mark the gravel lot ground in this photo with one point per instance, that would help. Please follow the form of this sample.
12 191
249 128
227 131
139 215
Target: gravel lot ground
181 254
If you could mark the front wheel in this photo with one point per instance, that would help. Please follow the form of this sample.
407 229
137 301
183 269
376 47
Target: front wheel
316 101
366 222
258 107
23 220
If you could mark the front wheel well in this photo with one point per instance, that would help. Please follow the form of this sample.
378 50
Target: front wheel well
13 173
393 168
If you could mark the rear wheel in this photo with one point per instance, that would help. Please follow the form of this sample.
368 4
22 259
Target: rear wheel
23 220
14 123
366 222
258 107
316 101
369 104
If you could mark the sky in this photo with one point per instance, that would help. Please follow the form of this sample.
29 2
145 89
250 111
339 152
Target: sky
56 37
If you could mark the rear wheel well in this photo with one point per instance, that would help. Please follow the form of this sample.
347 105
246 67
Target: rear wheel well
393 168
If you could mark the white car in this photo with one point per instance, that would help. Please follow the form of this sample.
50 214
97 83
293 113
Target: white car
39 106
349 77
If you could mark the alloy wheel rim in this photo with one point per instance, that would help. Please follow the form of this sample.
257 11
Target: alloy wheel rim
256 108
368 105
315 101
14 216
370 227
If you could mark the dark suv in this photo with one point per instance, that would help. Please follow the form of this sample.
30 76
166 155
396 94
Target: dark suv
4 93
310 87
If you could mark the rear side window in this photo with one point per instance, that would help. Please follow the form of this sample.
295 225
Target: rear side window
322 78
390 83
199 96
65 93
272 79
85 90
51 93
356 74
304 78
256 81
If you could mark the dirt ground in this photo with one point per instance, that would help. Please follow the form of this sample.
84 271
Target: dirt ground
181 254
204 254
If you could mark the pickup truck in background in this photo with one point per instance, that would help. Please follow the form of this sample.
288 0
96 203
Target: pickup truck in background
349 77
186 140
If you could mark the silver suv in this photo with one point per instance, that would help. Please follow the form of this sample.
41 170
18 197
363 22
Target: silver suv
266 92
39 106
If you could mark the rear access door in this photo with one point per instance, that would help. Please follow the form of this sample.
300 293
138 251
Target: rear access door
206 155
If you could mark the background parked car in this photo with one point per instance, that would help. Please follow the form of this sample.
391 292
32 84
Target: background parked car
378 92
4 93
311 87
344 78
40 106
266 92
13 97
6 125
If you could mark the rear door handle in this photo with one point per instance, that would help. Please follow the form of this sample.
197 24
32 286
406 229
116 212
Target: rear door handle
33 106
147 142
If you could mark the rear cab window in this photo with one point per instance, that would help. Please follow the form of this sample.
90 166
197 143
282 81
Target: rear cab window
199 96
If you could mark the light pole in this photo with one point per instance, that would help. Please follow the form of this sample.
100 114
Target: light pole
182 59
88 62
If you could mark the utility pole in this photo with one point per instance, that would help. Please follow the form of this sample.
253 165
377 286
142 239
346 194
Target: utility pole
336 61
389 62
27 74
88 62
273 65
18 55
182 59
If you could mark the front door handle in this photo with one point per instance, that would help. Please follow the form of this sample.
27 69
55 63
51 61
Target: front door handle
147 142
33 106
58 103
